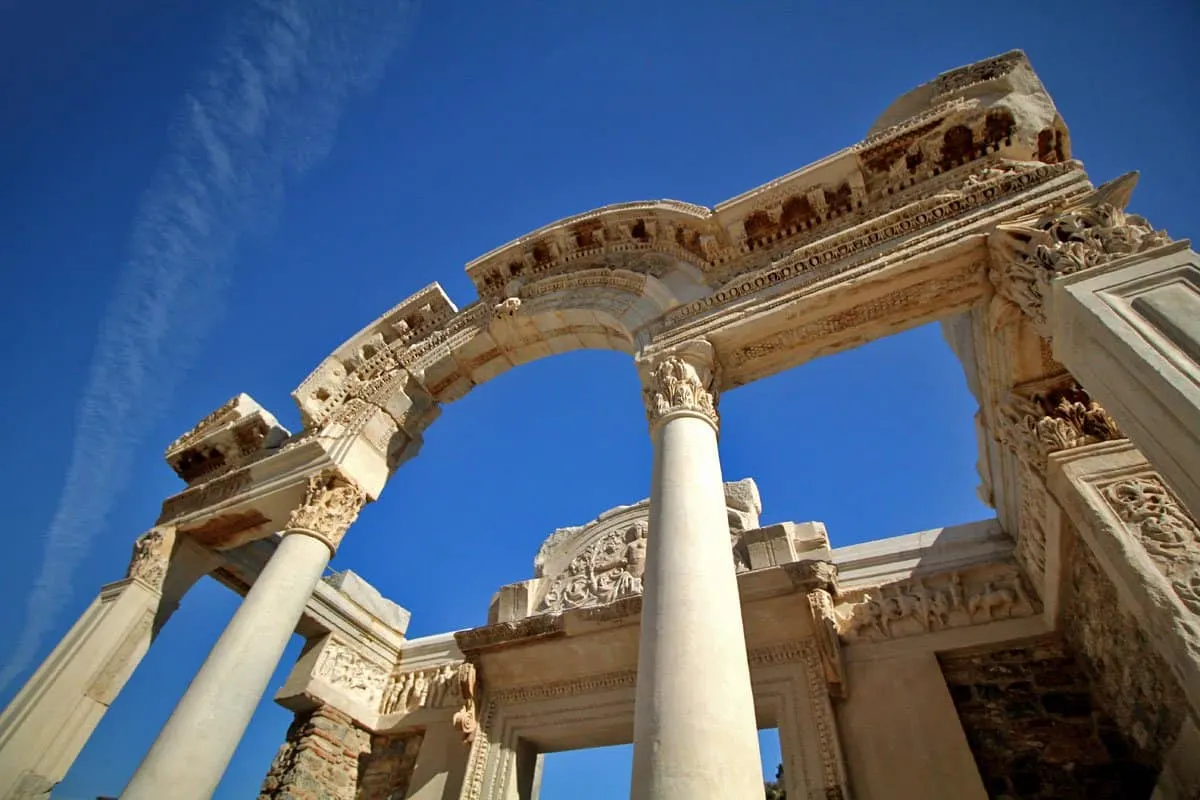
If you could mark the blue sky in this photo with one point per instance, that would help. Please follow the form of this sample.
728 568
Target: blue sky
197 200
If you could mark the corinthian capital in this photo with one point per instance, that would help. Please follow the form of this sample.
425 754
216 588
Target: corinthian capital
331 504
681 381
1029 254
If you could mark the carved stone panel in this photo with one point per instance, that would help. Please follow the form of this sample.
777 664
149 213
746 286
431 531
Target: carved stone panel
1169 535
932 603
347 669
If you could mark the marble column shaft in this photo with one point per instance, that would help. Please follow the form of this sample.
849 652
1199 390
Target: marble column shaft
695 733
194 748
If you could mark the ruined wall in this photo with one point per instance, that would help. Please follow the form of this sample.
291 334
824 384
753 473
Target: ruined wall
1130 679
328 757
319 760
1035 727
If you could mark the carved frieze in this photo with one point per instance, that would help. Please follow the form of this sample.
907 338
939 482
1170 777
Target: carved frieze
1029 254
681 381
349 670
1170 537
447 686
330 505
206 494
933 603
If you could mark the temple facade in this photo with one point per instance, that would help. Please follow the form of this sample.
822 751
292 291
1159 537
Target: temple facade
1050 651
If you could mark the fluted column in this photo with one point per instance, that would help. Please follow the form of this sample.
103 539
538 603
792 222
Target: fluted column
193 749
695 734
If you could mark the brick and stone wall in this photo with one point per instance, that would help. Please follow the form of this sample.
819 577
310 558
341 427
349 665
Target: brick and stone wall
1131 680
328 757
319 760
1035 728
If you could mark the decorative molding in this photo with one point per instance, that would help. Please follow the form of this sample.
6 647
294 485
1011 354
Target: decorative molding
682 381
1030 253
206 494
935 602
829 646
151 557
1152 516
331 504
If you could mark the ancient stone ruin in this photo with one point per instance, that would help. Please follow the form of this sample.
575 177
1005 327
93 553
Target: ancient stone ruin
1051 651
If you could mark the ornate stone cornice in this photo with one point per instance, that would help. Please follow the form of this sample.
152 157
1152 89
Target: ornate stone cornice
1094 230
331 504
682 381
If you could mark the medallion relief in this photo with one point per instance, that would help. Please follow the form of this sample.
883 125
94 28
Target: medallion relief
607 570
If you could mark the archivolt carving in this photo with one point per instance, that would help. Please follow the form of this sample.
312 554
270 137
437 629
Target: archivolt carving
609 569
923 605
348 669
1164 529
331 504
1096 230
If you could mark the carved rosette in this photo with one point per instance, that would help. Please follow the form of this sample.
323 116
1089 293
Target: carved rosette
683 381
1163 528
331 504
1029 254
151 555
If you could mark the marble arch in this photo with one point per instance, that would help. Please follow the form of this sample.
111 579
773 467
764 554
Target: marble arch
1076 607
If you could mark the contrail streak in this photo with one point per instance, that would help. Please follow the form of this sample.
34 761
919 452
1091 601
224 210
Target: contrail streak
264 113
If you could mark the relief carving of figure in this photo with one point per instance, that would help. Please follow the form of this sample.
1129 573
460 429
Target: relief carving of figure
607 570
914 607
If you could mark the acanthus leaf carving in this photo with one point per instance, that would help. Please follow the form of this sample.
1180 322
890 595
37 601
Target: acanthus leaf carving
1163 528
1061 418
1030 253
682 381
330 505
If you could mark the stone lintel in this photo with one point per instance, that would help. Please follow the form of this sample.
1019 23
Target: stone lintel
925 552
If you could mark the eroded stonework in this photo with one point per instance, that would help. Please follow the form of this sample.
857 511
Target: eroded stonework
1131 681
1153 516
1035 732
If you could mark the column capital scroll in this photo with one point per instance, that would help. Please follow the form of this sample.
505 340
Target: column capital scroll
680 381
330 505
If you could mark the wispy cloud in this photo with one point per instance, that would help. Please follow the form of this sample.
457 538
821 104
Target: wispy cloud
263 114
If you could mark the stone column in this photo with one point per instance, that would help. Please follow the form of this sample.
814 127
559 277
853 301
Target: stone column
695 733
49 721
193 749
